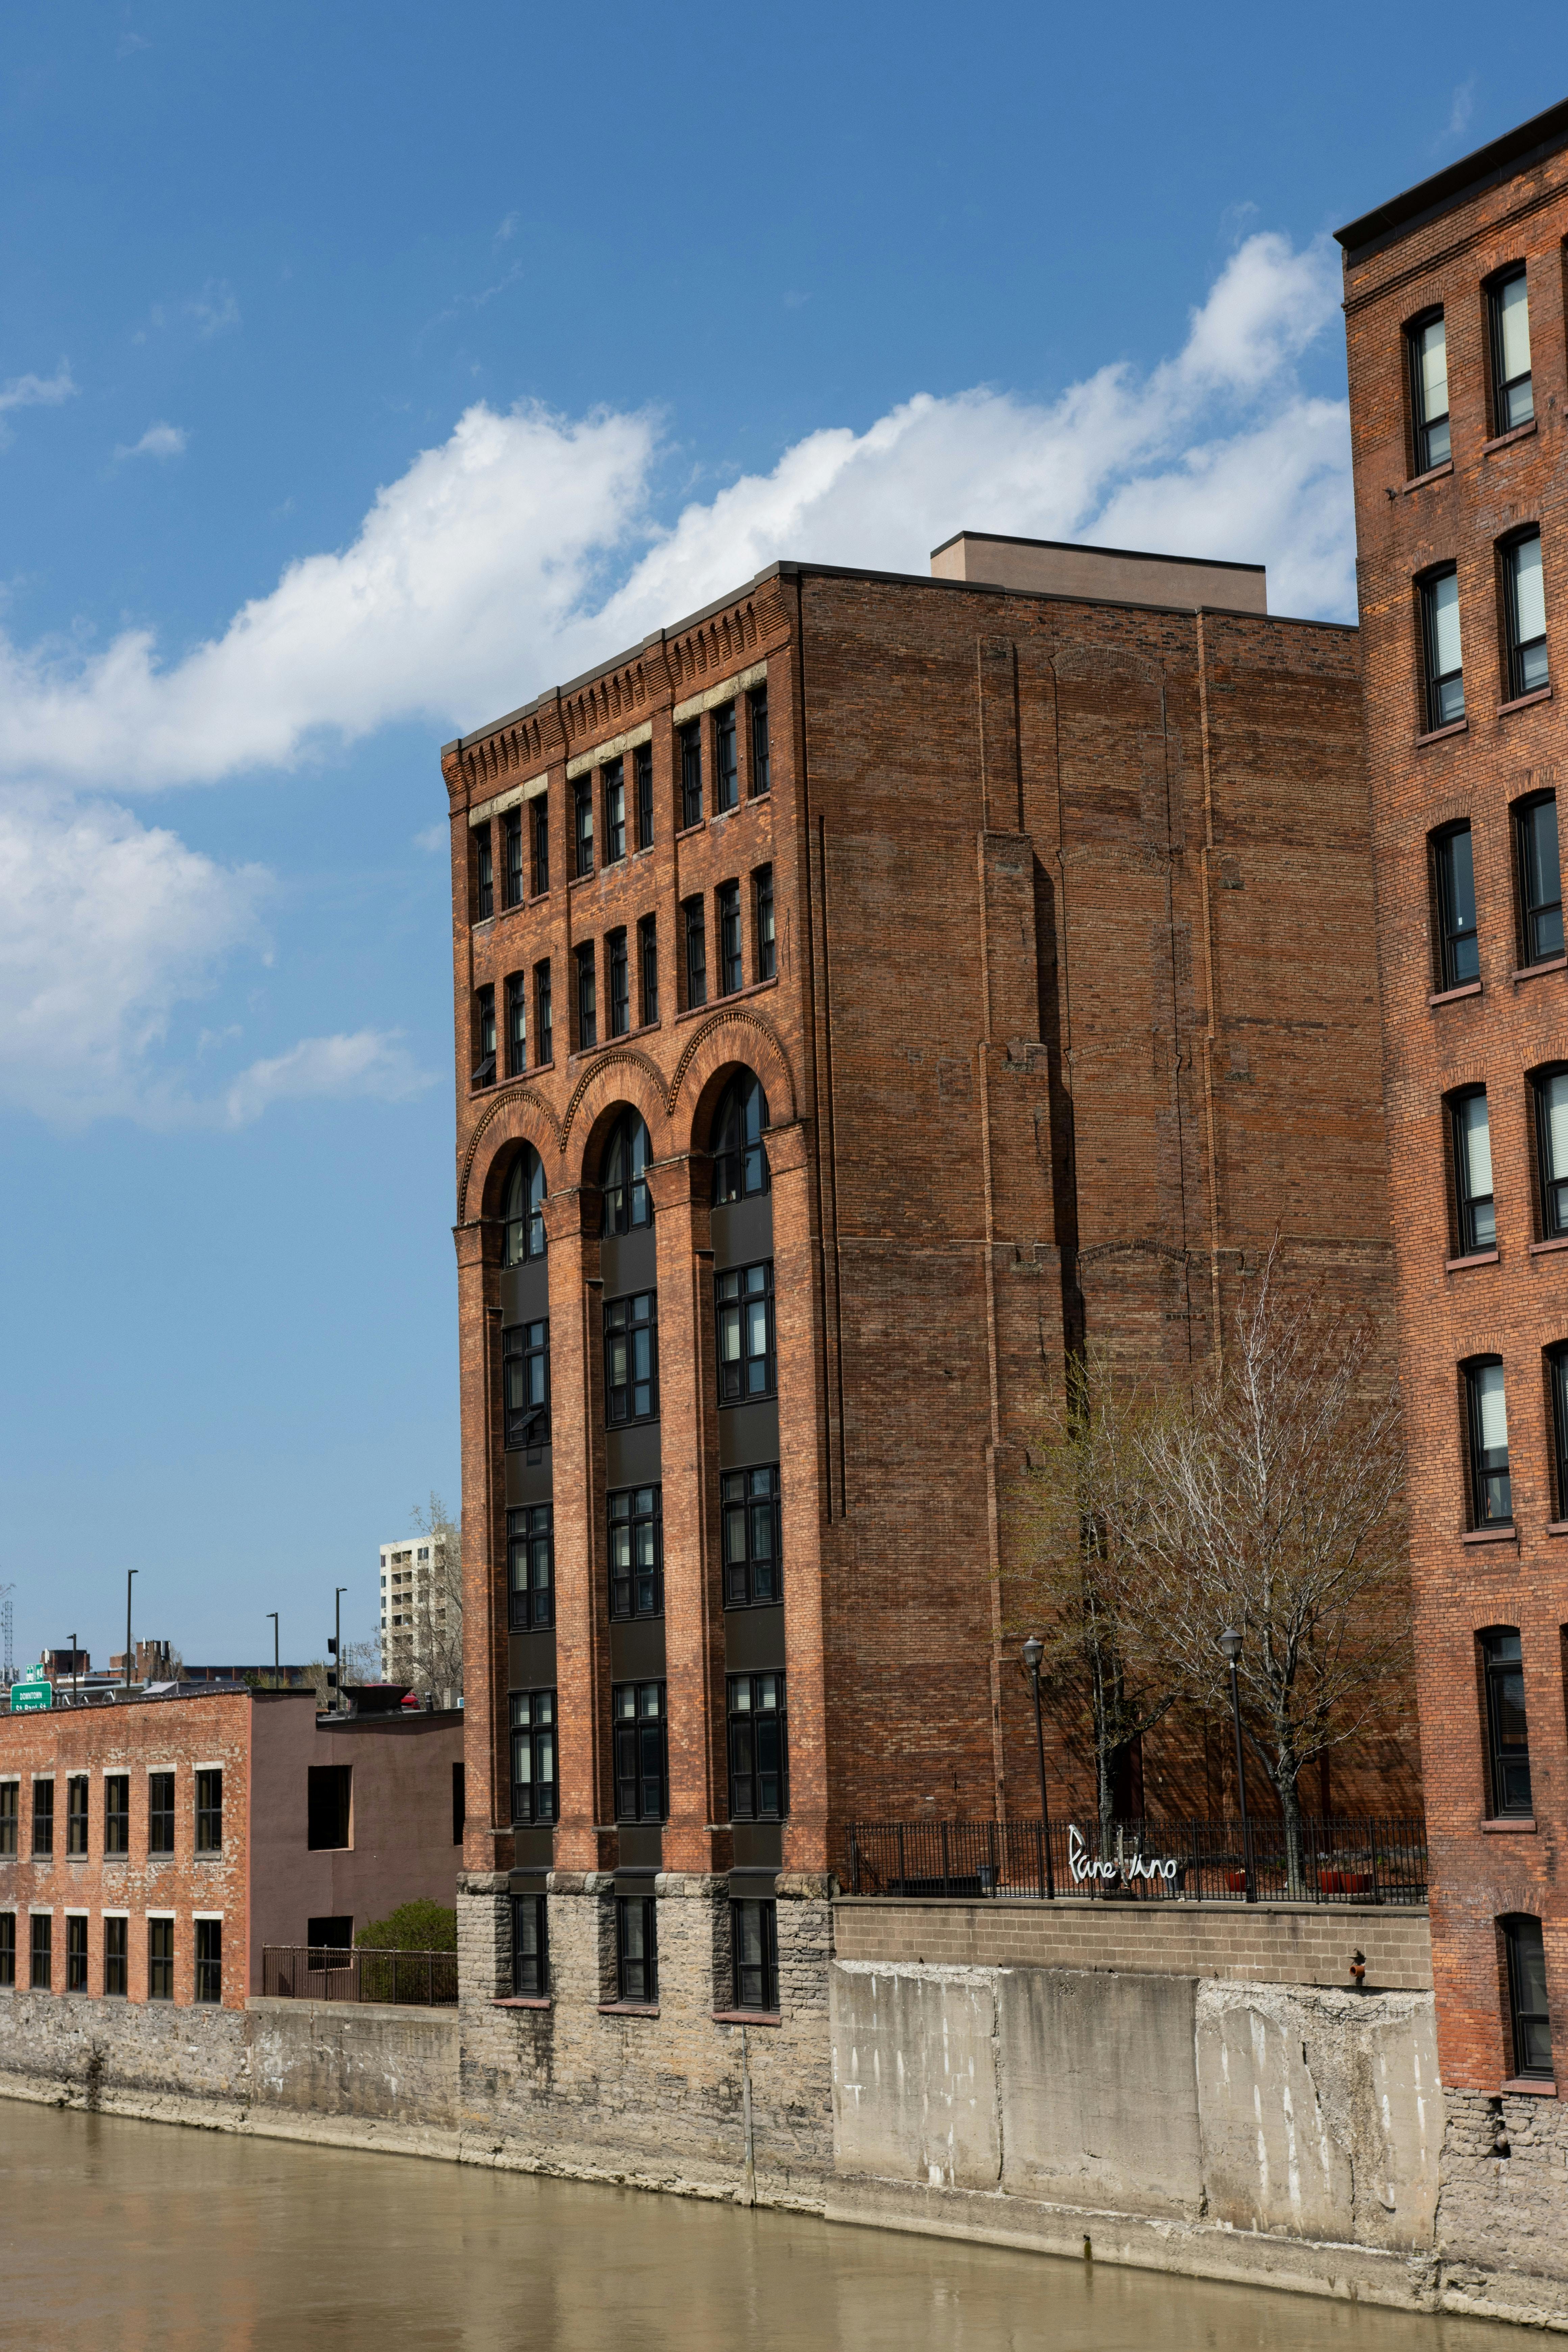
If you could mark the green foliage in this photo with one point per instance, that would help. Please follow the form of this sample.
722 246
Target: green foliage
422 1926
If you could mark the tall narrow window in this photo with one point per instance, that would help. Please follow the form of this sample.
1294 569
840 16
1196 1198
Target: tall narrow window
618 980
1459 950
117 1814
1440 638
77 1789
762 899
484 1036
631 1359
160 1959
525 1381
641 1759
7 1948
540 846
523 1212
512 868
637 1948
623 1182
1540 878
587 999
1551 1089
753 1943
696 952
1524 604
762 776
531 1566
1513 395
647 966
583 822
209 1811
749 1508
642 780
1557 1380
75 1951
9 1794
530 1946
43 1817
209 1961
329 1808
740 1156
731 969
726 763
615 775
160 1812
1473 1171
1429 390
758 1760
535 1778
636 1553
516 1024
543 1034
485 895
1508 1738
690 740
744 1301
115 1943
43 1968
1492 1494
1530 2013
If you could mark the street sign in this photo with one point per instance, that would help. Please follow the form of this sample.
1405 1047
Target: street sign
31 1697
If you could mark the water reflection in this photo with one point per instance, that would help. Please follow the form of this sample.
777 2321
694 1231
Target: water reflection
149 2238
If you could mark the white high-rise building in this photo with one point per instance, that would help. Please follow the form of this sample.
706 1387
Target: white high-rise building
414 1604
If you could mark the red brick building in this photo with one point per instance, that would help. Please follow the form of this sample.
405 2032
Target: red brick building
1458 374
864 988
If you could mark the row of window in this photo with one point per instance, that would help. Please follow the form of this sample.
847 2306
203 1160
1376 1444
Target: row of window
160 1816
1521 636
753 1542
1512 389
1475 1226
40 1956
1537 893
753 1951
758 1752
1490 1496
610 964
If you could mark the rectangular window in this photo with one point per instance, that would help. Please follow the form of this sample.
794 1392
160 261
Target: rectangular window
753 1943
1540 881
762 775
619 980
543 1035
587 1000
1552 1146
209 1961
484 1036
637 1948
525 1379
115 1956
1491 1496
511 870
535 1777
160 1812
76 1953
160 1959
744 1300
460 1803
530 1946
10 1794
1440 638
530 1565
1557 1373
641 1751
516 1024
1524 604
329 1807
1531 2013
726 760
1429 390
486 894
43 1817
758 1761
753 1551
767 951
583 822
76 1788
732 970
631 1359
642 776
117 1813
1508 1738
615 776
540 846
647 966
7 1948
209 1812
696 952
1473 1172
1460 952
690 740
42 1979
636 1553
1513 395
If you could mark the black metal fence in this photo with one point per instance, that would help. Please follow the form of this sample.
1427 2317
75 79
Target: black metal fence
412 1979
1149 1861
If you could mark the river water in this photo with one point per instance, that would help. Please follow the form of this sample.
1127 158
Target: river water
131 2237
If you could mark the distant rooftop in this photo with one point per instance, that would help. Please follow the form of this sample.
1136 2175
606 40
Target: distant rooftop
1102 575
1516 151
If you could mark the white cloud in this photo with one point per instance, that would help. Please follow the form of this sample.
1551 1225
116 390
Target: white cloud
34 392
213 310
370 1062
436 839
158 441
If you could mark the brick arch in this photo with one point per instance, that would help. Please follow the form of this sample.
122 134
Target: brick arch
731 1039
627 1075
519 1115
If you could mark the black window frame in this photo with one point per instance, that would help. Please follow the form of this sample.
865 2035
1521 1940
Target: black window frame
116 1816
617 981
633 1514
41 1953
540 831
689 751
740 1170
531 1566
7 1950
160 1814
329 1808
525 1385
587 964
1528 659
484 875
1445 688
648 968
642 781
757 1704
79 1806
1458 945
1510 1796
116 1958
613 803
754 1980
160 1959
522 1210
1432 442
750 1520
636 1973
484 1073
209 1809
624 1321
1529 2029
732 944
533 1719
1538 873
516 1025
1491 1505
1509 412
531 1946
726 760
583 824
543 1031
511 881
208 1992
1556 1359
1475 1213
640 1749
694 919
626 1203
762 756
10 1820
764 924
43 1817
75 1951
738 1291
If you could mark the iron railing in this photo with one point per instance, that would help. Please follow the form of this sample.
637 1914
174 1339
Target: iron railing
1161 1862
412 1979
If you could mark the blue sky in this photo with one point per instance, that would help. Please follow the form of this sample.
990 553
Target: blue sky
364 372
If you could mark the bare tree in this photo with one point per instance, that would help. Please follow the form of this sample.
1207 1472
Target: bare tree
438 1645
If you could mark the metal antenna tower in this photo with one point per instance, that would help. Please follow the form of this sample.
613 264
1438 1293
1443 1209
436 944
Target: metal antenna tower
8 1674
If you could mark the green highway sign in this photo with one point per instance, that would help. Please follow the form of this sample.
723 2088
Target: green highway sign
30 1698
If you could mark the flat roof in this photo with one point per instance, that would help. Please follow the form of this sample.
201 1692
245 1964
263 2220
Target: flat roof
1085 547
1541 136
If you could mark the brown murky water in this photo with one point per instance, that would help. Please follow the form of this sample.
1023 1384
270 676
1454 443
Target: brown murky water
123 2235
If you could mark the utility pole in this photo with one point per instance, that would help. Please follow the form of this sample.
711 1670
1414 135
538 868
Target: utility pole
273 1614
338 1647
129 1574
73 1667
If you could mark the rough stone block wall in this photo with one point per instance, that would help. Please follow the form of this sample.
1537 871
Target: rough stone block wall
1502 2215
140 2057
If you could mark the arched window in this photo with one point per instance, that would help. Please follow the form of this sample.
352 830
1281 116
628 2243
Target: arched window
524 1210
740 1158
625 1179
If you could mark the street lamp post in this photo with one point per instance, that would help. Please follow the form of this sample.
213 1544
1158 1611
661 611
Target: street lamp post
129 1574
1034 1651
338 1646
73 1666
273 1614
1230 1642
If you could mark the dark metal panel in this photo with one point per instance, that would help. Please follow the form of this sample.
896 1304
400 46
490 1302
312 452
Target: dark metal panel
525 1291
528 1478
531 1666
628 1262
759 1845
754 1639
744 1231
642 1854
632 1456
535 1856
748 1433
637 1650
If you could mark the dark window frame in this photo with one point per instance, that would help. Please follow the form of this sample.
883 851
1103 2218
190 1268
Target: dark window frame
1555 1364
522 1210
1529 2029
160 1959
637 1578
732 944
626 1202
688 751
761 755
531 1566
1508 1773
642 783
484 1072
209 1963
79 1805
1431 437
758 1719
1509 410
1475 1213
7 1950
753 1574
587 997
543 1031
726 760
694 919
1459 944
1529 661
116 1958
648 968
209 1809
1538 875
525 1385
736 1140
533 1718
75 1951
531 1946
1445 688
329 1809
613 805
540 831
516 1024
764 923
641 1746
738 1291
484 875
754 1980
160 1814
41 1953
617 981
1491 1481
44 1816
511 882
625 1323
636 1973
10 1820
583 824
116 1816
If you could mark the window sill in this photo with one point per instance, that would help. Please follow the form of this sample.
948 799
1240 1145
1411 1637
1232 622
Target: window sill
522 2001
747 2017
517 1078
1557 1527
1489 1534
736 996
1477 1257
685 832
1523 701
1506 440
628 2009
1510 1825
1528 2086
624 1037
1534 971
1452 996
1419 481
1441 734
1544 1249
